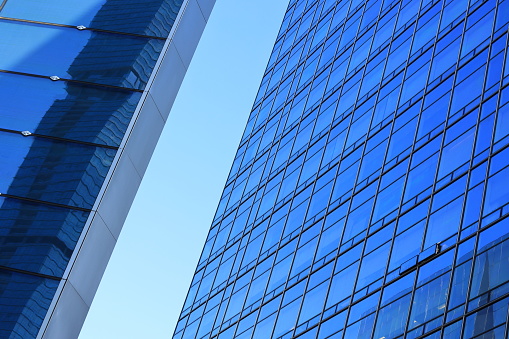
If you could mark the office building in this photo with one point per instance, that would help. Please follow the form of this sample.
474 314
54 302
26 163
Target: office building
86 89
370 191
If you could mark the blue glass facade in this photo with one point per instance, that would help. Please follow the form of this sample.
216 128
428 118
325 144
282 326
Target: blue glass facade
72 74
370 192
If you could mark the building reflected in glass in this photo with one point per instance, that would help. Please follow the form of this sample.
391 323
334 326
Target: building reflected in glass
370 192
75 79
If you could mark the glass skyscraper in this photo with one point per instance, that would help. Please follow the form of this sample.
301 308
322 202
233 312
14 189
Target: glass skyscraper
370 192
86 87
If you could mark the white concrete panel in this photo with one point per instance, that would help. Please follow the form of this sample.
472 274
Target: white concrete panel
92 260
206 7
167 82
119 195
144 137
68 315
189 32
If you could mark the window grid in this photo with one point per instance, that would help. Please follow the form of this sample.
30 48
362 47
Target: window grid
271 188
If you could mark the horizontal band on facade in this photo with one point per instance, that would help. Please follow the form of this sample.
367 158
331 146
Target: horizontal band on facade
79 27
40 275
30 134
51 78
4 195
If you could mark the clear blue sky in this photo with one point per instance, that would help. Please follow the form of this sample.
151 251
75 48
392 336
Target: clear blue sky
146 281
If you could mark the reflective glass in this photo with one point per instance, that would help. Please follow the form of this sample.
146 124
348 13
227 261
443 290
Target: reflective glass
59 172
24 300
490 269
101 58
153 17
404 158
37 237
486 319
429 301
497 192
392 318
66 109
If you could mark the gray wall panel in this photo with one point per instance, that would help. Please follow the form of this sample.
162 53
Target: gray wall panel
189 32
71 303
206 7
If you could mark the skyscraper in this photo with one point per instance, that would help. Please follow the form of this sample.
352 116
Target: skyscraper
86 88
369 194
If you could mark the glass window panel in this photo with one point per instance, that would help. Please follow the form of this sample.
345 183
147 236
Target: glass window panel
452 10
153 17
413 84
435 267
459 286
37 237
497 192
358 221
406 245
413 216
456 153
429 301
287 318
494 234
444 223
499 161
102 58
313 302
421 177
384 29
54 171
402 139
65 109
486 319
446 195
473 205
398 288
453 330
329 240
332 326
468 90
342 285
24 300
388 199
361 329
279 273
304 256
399 52
372 162
477 33
264 328
373 266
502 128
391 320
363 308
490 269
345 182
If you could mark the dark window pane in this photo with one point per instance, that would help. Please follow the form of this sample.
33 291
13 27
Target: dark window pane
429 301
24 300
65 109
490 269
36 237
59 172
102 58
486 319
152 17
392 319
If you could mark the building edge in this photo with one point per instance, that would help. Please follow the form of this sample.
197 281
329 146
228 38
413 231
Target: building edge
75 293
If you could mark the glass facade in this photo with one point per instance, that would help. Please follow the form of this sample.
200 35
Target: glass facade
370 192
72 74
